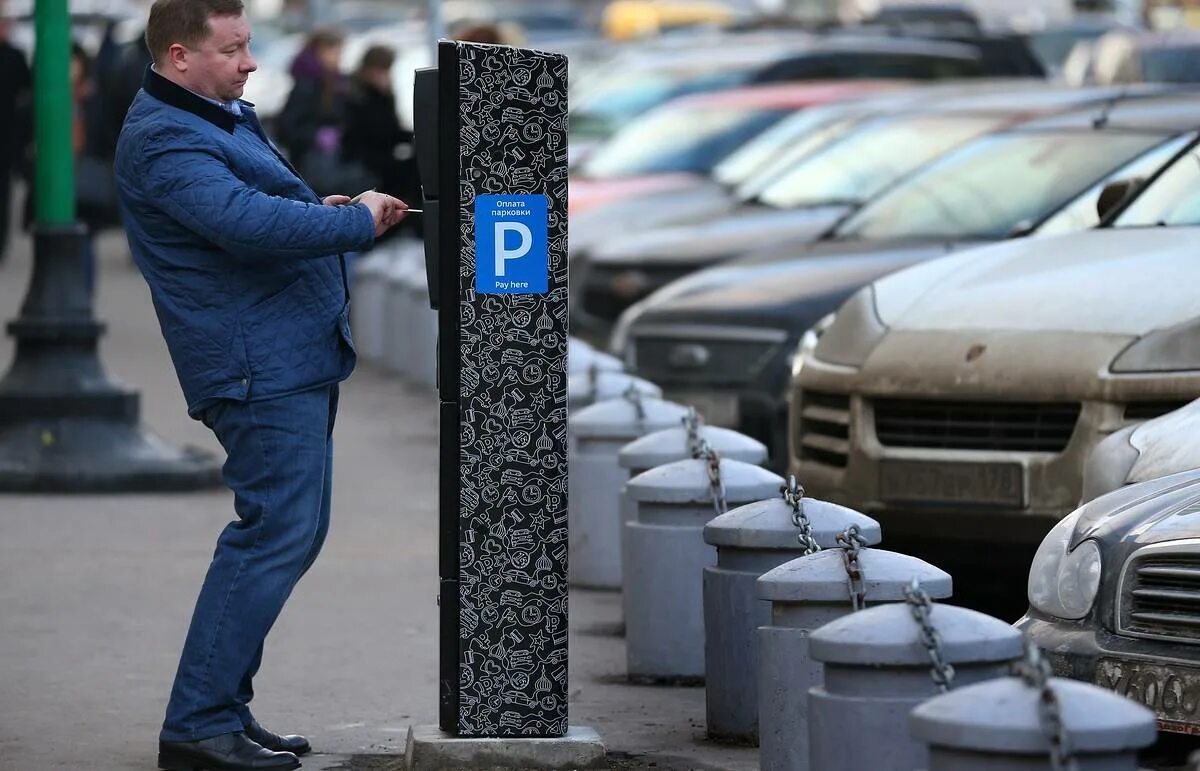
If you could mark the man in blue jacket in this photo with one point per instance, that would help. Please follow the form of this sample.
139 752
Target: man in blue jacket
244 264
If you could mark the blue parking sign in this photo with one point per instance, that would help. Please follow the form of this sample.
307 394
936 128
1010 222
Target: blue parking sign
511 247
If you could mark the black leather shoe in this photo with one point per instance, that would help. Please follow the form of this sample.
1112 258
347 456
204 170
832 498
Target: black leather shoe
227 752
297 745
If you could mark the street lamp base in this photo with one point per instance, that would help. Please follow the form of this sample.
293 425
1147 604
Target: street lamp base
86 455
65 426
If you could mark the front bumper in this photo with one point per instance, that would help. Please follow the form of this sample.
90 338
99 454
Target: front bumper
1139 669
837 452
736 377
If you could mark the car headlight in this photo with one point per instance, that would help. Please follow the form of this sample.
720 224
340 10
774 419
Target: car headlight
808 344
854 333
1064 583
1172 349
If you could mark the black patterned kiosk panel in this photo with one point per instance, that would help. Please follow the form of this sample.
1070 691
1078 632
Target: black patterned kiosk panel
502 281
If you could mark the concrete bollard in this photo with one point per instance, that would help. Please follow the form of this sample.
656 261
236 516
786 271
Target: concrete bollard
420 326
750 541
877 669
1032 722
596 385
581 357
663 598
597 433
681 443
805 594
397 337
367 305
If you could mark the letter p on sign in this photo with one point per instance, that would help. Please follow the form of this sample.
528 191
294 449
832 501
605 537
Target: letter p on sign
511 245
503 253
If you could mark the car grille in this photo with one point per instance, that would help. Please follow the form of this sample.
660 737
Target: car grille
1151 410
1162 596
824 430
1020 427
701 359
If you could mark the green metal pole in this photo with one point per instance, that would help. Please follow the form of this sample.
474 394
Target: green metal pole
53 105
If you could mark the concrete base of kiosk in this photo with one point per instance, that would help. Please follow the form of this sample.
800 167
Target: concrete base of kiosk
432 749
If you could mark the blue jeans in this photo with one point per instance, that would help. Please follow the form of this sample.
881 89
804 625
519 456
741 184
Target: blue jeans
279 466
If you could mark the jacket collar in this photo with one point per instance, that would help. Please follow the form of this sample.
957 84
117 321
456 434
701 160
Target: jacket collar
177 96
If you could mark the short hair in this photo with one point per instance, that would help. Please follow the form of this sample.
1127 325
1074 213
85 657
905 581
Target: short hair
325 37
377 57
184 21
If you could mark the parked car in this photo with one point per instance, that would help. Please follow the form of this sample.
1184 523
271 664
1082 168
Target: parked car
1144 57
957 401
636 81
1112 596
724 338
803 199
1140 452
669 147
1053 44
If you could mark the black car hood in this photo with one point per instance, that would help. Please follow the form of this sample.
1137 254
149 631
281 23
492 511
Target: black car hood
1163 509
778 288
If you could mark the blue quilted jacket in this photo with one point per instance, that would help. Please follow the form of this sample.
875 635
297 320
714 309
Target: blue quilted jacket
243 261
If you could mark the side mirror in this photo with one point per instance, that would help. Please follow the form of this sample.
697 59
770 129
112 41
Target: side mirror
1114 194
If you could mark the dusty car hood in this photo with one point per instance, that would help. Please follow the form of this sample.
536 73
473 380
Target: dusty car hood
1162 509
621 217
1167 444
732 233
769 265
1100 282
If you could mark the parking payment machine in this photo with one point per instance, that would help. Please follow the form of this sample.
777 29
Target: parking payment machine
491 132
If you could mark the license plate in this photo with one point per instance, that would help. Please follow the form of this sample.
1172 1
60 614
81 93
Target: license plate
1172 692
988 484
717 409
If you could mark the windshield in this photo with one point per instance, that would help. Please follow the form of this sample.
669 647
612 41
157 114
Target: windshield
1173 199
874 156
605 109
1083 212
799 133
1171 65
994 185
680 139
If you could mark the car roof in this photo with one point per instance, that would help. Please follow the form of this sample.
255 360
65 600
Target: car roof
906 46
1174 39
1170 112
785 95
1034 97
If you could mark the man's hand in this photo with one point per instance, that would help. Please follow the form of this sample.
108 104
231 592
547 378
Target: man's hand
386 210
336 200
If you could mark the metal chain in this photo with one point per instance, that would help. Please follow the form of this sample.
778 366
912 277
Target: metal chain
716 485
793 495
851 541
921 606
1035 670
691 423
634 397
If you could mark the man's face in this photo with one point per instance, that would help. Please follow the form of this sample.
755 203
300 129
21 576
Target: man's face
219 66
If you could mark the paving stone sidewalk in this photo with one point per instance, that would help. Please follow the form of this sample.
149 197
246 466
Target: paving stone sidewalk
96 592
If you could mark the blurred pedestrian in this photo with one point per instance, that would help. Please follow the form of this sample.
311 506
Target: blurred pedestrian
16 127
95 185
485 32
374 140
244 266
310 125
